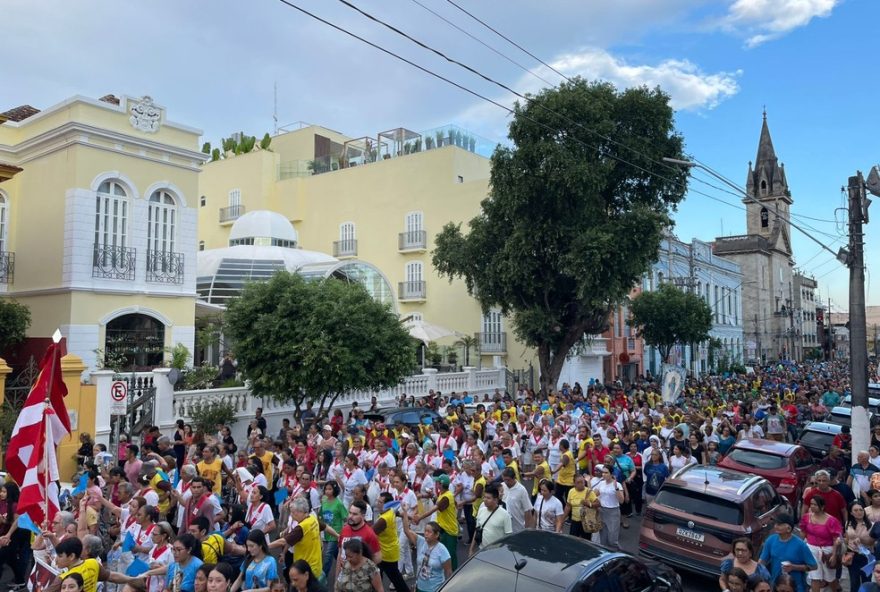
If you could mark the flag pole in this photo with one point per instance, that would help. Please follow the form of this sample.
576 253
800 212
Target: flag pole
56 340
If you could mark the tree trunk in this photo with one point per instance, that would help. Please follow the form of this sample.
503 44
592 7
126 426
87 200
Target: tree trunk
551 361
326 405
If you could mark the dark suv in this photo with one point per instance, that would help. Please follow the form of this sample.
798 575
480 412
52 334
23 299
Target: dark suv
701 509
408 416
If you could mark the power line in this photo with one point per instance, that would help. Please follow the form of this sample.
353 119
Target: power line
601 151
484 44
509 40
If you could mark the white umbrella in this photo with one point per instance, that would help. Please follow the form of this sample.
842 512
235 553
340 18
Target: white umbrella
427 332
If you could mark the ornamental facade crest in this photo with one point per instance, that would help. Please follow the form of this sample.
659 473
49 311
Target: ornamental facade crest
145 116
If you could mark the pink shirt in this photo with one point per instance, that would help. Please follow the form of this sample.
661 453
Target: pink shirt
821 535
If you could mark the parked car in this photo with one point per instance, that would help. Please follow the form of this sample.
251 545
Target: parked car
817 437
843 416
700 509
873 403
541 561
786 466
408 416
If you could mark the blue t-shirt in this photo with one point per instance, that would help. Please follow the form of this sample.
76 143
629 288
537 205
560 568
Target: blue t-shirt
187 575
794 550
655 475
258 574
429 565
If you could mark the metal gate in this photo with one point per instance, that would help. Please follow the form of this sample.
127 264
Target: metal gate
16 391
524 376
140 413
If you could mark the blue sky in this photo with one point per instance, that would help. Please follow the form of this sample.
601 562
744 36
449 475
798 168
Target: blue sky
213 64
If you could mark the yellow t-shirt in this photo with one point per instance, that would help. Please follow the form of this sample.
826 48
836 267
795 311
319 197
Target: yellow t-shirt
448 518
89 569
515 466
566 472
268 467
309 546
545 475
212 472
576 500
212 548
478 501
388 538
583 463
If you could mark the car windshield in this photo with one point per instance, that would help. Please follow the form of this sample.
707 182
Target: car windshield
817 440
756 459
700 504
475 574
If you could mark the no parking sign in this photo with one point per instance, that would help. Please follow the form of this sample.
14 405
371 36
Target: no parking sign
118 397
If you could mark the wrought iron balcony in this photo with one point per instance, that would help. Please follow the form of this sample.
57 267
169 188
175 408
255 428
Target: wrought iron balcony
411 291
493 343
413 240
112 262
345 248
231 213
7 267
164 267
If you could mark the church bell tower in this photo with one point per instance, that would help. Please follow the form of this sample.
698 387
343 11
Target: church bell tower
767 184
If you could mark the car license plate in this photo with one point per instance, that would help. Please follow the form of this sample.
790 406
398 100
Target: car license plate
690 534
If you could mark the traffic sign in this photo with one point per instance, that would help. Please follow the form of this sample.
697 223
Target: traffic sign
118 397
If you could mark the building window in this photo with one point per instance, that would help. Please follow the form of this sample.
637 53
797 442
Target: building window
234 197
492 337
201 245
414 271
4 222
161 222
765 216
203 201
111 215
715 305
460 179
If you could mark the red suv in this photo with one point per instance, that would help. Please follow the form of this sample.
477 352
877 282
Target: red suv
786 466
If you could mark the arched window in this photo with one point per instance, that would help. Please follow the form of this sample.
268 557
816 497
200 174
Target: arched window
763 187
414 286
113 259
765 218
111 215
164 265
4 222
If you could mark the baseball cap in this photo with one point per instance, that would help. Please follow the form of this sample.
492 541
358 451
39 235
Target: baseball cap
443 480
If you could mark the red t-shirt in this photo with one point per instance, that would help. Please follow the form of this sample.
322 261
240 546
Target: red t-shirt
364 533
834 502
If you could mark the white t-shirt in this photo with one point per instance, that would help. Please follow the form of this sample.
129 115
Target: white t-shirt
518 502
547 510
608 493
259 515
495 525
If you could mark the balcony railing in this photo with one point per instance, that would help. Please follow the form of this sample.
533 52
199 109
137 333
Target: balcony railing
345 248
493 343
112 262
164 267
411 291
7 267
412 240
230 213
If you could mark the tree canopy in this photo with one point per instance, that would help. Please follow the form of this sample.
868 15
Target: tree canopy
669 316
310 341
15 318
574 216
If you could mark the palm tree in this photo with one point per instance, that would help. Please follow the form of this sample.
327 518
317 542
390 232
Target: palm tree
467 342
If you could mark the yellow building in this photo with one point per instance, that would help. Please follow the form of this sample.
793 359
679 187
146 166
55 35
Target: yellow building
381 200
98 230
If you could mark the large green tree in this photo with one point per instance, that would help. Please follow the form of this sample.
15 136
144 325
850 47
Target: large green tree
669 316
310 341
15 318
574 216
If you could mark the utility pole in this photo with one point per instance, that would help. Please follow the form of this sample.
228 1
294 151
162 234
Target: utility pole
858 353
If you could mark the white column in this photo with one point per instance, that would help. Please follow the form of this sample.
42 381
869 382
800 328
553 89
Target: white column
472 377
163 403
102 379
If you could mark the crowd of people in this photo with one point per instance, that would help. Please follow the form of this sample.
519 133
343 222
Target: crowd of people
352 505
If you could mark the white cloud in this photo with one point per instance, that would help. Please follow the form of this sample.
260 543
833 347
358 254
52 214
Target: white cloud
764 20
689 88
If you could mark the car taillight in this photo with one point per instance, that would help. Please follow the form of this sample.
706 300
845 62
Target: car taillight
787 484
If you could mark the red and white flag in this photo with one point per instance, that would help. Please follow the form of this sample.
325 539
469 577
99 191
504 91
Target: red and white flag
31 454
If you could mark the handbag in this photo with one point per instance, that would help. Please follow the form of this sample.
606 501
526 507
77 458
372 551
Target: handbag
591 521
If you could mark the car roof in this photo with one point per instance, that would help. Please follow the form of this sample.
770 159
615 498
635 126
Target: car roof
558 559
769 446
729 483
872 402
823 426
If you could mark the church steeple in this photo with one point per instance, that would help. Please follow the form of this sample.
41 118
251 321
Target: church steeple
767 179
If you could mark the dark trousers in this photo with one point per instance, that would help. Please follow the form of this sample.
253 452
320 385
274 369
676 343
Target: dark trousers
389 569
561 492
470 521
577 529
18 558
856 576
634 489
